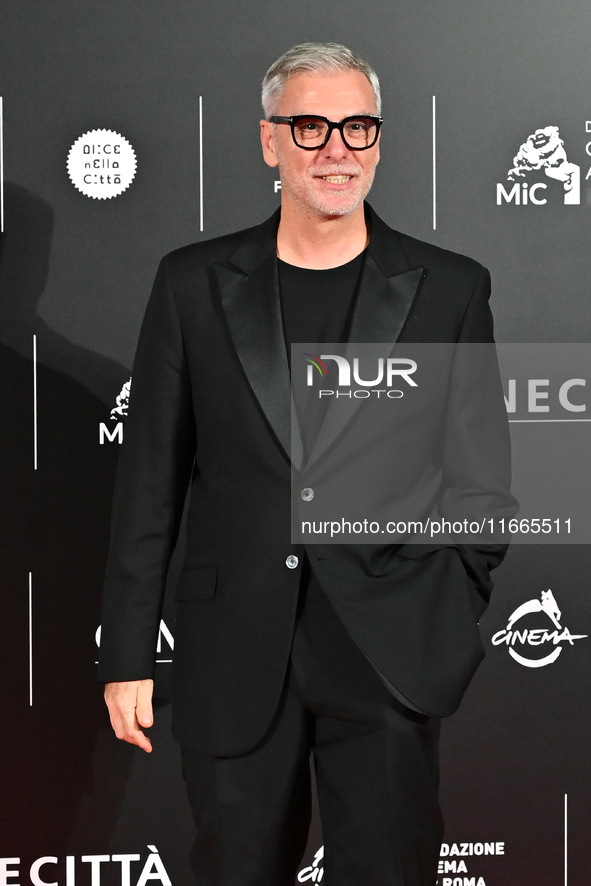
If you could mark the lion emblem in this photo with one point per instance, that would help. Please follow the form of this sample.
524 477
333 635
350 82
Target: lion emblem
544 149
120 410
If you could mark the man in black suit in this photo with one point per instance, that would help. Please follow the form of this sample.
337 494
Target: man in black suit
350 651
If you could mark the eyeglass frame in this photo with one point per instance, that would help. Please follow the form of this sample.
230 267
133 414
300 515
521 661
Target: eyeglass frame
331 126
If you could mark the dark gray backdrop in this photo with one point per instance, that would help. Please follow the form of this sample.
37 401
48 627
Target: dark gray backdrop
76 272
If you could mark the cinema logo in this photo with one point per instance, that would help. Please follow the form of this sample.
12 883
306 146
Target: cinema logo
118 413
385 371
315 872
542 156
126 868
535 627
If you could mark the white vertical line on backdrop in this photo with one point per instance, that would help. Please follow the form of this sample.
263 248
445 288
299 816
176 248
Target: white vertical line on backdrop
30 639
1 166
566 840
529 421
34 402
200 162
434 164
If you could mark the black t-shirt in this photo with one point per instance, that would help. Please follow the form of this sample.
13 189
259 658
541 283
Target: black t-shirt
317 308
317 305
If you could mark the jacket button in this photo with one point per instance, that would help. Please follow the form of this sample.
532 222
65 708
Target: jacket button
292 562
307 494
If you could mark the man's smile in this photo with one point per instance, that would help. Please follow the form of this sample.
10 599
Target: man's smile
336 179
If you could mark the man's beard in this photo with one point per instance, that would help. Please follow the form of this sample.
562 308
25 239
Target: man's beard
330 205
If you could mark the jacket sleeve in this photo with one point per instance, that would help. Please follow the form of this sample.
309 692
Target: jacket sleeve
154 470
477 440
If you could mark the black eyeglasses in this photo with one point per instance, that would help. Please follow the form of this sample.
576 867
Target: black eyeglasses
310 133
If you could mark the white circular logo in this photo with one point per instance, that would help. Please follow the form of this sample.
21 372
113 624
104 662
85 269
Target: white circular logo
101 164
536 637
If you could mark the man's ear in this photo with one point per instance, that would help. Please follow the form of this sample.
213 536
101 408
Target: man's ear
268 143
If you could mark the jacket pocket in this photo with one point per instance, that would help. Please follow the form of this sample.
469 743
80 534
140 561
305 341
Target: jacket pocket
416 550
196 584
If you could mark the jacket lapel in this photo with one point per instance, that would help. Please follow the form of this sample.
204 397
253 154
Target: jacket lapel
387 290
249 291
388 286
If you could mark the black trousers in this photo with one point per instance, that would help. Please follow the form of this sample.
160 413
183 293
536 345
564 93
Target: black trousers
376 764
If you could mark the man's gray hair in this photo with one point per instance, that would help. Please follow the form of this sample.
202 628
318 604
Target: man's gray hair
313 58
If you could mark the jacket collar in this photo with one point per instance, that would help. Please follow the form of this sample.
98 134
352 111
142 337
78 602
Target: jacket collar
385 245
249 292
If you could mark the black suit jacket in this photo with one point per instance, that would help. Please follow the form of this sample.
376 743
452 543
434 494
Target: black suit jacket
210 407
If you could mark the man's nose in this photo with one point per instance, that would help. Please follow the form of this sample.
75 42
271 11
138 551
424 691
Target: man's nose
335 146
